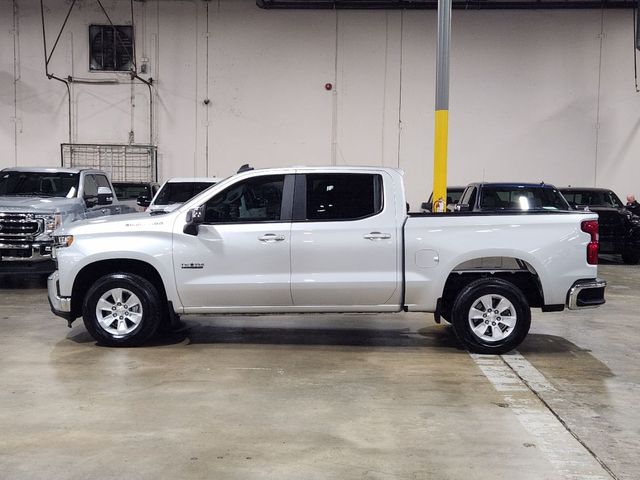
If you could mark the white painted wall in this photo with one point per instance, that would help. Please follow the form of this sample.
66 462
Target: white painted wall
535 95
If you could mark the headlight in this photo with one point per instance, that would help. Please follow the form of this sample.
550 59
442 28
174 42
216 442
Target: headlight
62 241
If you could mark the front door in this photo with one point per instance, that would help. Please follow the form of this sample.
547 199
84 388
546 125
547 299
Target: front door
240 255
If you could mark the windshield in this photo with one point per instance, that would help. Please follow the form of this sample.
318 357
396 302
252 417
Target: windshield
593 198
179 192
39 184
514 198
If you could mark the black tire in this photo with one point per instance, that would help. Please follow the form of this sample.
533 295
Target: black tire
129 327
470 308
630 256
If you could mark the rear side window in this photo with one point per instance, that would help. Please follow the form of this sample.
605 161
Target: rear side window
343 196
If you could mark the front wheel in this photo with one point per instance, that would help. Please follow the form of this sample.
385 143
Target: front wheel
122 310
491 315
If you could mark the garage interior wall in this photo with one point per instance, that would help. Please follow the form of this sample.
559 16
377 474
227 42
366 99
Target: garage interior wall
535 95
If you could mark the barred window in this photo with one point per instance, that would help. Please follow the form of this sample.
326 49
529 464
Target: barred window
111 48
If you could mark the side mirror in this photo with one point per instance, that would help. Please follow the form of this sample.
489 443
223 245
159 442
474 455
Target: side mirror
143 201
426 206
195 217
462 207
105 196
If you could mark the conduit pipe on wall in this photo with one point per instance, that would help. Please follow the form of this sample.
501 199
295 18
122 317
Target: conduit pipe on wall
47 58
70 79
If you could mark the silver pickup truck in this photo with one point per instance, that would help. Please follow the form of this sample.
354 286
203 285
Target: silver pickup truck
35 201
324 239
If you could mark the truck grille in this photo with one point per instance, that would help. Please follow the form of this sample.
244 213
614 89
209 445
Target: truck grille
19 226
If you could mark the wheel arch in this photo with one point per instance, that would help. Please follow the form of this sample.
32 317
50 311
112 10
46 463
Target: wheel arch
514 270
91 272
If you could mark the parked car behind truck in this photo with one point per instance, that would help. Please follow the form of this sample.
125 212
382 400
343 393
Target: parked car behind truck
511 197
324 239
137 195
175 191
34 201
619 228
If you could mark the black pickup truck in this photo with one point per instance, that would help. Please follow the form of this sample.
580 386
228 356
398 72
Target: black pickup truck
619 228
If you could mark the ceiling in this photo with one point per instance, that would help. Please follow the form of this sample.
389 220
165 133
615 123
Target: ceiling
457 4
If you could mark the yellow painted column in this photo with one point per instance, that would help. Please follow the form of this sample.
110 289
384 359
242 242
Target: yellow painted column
439 199
440 161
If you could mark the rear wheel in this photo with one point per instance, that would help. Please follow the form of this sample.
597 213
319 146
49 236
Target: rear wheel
491 315
122 309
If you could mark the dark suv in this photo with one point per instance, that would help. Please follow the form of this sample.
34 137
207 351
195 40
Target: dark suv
619 228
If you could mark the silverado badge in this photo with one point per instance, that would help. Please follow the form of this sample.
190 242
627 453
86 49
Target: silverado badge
193 265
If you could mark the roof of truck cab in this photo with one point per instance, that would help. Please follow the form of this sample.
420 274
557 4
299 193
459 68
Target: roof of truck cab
325 168
512 185
49 170
193 180
584 189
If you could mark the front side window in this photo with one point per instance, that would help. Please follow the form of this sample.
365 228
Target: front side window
102 181
468 197
338 196
90 187
257 199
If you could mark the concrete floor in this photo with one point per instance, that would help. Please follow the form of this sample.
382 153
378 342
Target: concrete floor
321 397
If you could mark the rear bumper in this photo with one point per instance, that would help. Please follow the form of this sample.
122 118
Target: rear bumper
60 306
586 294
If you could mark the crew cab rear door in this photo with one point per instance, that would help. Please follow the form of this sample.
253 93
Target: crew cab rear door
344 242
240 255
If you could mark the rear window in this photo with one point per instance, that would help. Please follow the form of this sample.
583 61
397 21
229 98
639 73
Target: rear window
514 198
179 192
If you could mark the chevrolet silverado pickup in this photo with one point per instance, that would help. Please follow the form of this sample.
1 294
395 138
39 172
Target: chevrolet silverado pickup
34 201
323 239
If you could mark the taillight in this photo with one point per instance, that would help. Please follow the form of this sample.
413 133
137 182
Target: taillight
591 227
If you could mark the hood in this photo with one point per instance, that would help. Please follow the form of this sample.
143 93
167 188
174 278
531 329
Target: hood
36 204
116 224
165 208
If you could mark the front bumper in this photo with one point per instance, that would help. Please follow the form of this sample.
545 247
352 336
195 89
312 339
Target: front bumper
586 294
26 258
60 306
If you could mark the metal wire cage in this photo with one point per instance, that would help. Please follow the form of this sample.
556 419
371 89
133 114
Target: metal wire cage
130 163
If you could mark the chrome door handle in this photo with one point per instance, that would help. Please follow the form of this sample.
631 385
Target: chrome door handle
377 236
271 237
